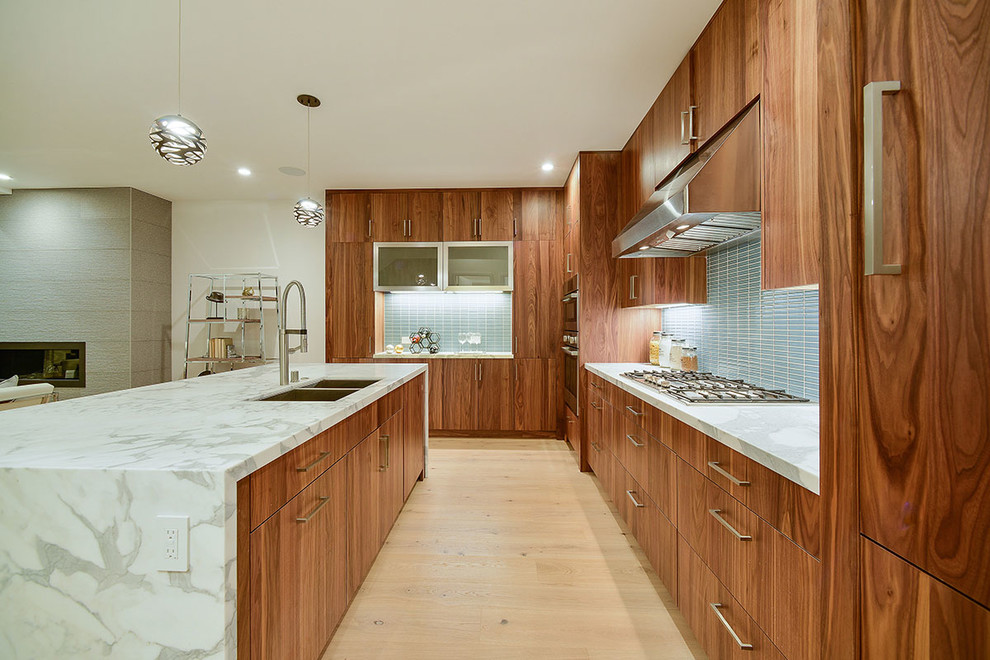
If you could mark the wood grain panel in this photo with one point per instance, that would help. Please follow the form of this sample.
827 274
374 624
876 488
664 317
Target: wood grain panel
727 67
350 300
414 419
541 215
279 481
496 402
389 212
391 443
363 511
534 385
536 311
791 509
796 615
662 478
925 419
348 216
425 212
461 209
460 401
673 100
789 114
681 281
245 622
497 214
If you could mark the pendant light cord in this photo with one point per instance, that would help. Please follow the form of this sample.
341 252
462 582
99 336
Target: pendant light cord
179 77
308 141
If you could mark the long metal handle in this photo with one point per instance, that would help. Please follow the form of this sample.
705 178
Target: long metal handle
634 411
323 503
632 439
873 176
514 231
684 139
717 514
596 407
715 466
691 135
307 468
369 227
569 351
632 287
388 458
595 385
594 445
569 263
638 505
516 364
716 607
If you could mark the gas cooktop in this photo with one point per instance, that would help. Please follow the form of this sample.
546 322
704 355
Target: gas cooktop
694 387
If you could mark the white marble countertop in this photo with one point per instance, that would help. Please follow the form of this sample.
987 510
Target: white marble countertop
207 424
781 437
444 356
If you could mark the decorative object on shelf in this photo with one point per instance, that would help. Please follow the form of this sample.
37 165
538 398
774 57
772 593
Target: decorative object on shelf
424 339
216 298
175 138
308 212
390 348
248 292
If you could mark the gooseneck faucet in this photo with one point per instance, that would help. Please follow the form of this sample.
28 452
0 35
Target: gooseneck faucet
283 342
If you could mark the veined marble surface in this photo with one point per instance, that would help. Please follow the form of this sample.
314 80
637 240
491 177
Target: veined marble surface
783 437
443 356
83 481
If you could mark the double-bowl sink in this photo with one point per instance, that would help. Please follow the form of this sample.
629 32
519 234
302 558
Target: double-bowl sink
326 389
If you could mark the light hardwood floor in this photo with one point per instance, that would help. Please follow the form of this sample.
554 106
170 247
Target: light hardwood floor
508 551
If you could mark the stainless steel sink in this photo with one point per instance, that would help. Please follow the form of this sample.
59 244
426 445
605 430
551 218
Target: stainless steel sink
348 383
312 394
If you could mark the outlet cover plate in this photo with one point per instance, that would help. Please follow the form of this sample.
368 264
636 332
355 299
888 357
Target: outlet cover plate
172 543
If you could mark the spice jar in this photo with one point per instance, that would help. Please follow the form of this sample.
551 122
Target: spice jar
655 349
665 339
676 353
689 358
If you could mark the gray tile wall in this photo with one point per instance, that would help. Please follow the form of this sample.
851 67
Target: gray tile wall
151 289
769 338
489 314
73 268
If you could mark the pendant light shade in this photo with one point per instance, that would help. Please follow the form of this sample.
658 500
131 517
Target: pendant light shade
308 212
177 140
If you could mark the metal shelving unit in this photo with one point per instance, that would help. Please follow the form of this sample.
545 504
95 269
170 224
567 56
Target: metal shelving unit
234 287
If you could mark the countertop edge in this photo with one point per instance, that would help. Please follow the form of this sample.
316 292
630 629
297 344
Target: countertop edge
442 356
795 473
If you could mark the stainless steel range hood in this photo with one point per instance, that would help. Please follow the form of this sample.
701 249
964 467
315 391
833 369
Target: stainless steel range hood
711 198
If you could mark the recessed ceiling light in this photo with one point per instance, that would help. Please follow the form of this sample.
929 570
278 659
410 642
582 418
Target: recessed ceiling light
547 166
243 171
292 171
682 227
5 177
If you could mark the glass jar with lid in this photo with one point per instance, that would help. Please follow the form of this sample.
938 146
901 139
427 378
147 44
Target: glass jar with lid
676 353
689 358
655 349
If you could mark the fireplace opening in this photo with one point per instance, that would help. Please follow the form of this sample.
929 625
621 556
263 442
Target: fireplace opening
61 363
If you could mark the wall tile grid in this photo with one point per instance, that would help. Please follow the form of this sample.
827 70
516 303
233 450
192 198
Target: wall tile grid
769 338
489 314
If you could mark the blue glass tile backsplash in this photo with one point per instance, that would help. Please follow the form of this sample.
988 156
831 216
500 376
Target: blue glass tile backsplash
769 338
489 314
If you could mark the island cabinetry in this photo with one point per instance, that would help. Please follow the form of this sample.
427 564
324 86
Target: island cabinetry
413 435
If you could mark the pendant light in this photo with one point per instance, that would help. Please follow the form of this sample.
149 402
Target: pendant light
308 212
177 139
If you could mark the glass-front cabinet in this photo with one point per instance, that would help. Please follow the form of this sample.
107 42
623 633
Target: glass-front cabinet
408 266
478 266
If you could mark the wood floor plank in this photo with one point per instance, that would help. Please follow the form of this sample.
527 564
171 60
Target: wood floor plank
508 551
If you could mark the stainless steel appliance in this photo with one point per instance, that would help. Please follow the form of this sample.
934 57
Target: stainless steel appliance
571 305
694 387
572 367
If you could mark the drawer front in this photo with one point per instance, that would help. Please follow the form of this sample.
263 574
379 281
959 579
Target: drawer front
727 469
732 541
661 482
634 451
685 441
598 386
658 538
638 411
720 623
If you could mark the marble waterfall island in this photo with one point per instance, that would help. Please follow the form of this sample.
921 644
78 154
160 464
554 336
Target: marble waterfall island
83 482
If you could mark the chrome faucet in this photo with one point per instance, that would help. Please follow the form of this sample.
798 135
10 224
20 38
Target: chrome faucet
283 342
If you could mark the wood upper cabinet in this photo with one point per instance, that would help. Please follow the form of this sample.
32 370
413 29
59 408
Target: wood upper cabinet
670 113
924 383
489 215
572 253
350 301
536 310
662 281
406 216
540 215
425 212
534 385
298 561
498 214
348 217
461 215
572 197
727 66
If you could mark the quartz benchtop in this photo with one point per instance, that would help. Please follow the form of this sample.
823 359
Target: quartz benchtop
781 437
204 424
443 356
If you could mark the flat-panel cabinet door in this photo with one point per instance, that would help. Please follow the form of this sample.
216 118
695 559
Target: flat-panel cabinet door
496 403
350 301
727 66
671 139
389 216
348 217
460 394
390 448
572 252
425 217
498 215
364 535
536 307
413 433
298 567
541 215
925 422
636 282
461 216
534 387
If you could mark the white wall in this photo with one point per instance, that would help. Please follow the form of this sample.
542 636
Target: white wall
219 237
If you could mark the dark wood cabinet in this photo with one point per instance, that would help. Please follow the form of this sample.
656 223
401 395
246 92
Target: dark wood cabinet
406 216
536 307
535 394
924 418
391 495
425 213
498 214
496 401
540 215
348 217
350 301
727 66
460 400
461 215
414 420
671 137
364 512
662 281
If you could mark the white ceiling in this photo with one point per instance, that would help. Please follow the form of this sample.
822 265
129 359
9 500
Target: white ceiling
421 93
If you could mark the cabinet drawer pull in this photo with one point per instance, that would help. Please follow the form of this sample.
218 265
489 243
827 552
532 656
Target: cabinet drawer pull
634 411
388 458
716 607
307 468
638 505
595 385
873 176
717 514
632 439
596 407
594 445
715 466
323 503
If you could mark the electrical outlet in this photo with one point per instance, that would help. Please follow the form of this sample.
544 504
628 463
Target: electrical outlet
172 543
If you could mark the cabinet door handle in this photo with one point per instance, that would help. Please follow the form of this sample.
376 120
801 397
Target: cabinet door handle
632 439
323 503
515 363
632 287
691 135
634 411
515 344
514 231
684 139
716 607
595 385
873 176
638 505
569 263
717 514
594 445
722 471
307 468
369 227
387 440
595 406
